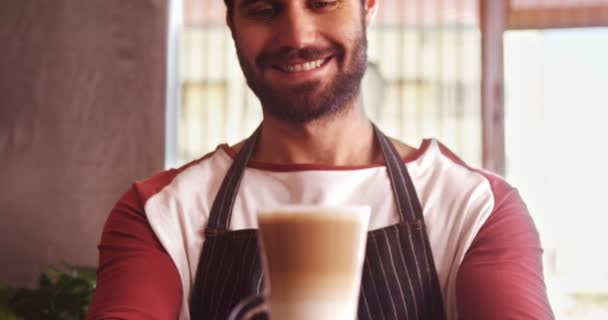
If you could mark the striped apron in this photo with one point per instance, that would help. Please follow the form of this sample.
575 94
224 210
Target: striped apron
399 279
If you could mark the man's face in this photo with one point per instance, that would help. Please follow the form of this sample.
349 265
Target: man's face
304 59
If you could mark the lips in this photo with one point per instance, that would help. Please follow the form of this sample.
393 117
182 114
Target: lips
290 60
302 66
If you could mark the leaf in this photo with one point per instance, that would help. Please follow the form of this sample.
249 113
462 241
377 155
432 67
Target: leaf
7 314
63 294
6 294
44 281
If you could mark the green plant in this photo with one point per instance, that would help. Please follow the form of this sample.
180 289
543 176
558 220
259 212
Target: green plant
61 295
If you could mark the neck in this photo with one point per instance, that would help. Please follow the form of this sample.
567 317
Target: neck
342 139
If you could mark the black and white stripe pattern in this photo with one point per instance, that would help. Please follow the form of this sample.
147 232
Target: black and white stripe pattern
399 280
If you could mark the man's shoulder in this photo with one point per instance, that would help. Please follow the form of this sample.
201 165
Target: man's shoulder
149 187
434 166
494 179
462 176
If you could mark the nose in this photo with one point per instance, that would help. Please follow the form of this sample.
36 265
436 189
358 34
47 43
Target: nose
296 30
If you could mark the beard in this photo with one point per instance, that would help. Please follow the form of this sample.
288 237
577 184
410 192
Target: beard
305 102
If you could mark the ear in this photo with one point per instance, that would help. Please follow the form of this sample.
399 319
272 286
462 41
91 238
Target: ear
229 22
370 7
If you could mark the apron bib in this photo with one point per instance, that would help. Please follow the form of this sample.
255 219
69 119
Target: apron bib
399 279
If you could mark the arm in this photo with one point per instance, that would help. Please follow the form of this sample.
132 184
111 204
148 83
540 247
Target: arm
136 278
501 276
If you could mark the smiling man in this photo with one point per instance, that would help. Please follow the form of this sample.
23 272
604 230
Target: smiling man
446 241
302 67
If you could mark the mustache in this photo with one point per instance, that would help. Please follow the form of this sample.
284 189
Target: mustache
285 55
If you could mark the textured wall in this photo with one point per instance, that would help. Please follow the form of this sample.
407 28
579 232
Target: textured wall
82 95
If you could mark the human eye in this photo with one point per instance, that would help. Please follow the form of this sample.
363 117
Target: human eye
262 11
323 5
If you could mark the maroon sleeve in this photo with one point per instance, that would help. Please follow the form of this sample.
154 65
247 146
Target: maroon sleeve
501 276
136 278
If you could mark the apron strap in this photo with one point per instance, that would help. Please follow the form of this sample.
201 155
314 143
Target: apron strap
404 192
221 211
411 213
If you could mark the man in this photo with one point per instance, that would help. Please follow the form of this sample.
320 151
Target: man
448 241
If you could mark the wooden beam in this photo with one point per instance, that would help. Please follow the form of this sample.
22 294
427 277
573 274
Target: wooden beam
563 17
493 24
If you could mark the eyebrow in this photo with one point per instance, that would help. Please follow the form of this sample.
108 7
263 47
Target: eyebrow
246 3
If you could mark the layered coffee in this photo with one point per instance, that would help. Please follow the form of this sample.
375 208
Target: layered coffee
314 258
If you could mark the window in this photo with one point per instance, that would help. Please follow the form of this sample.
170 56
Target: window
555 138
555 76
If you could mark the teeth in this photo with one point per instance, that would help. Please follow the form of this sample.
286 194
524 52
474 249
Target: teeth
303 67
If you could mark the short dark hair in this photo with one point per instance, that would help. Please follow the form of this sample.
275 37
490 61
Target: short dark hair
230 6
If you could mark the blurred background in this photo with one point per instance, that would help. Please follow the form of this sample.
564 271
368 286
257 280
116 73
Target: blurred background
96 94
